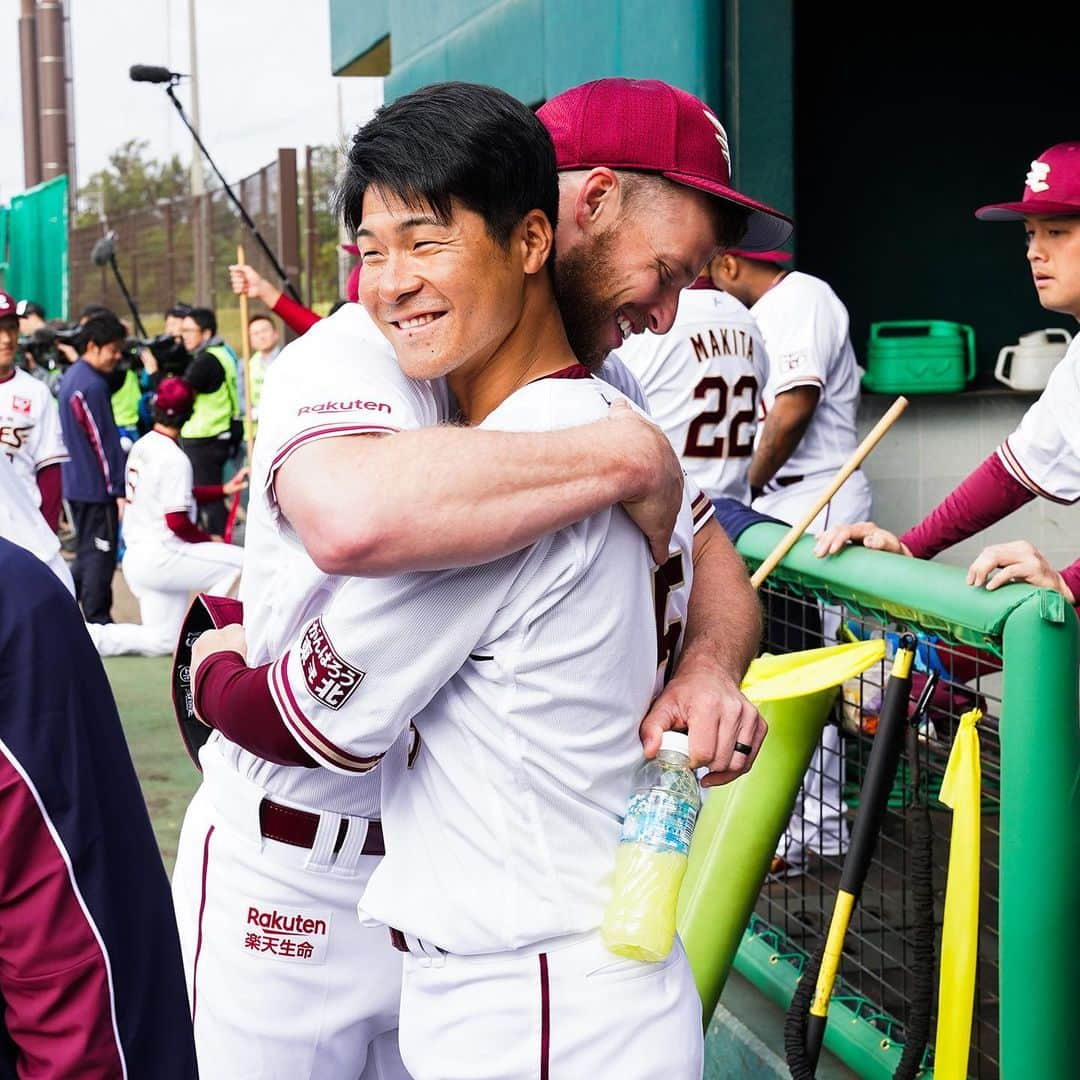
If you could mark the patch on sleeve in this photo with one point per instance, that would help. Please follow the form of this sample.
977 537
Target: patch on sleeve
329 678
790 362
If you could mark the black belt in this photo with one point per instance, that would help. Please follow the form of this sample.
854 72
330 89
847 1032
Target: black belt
787 481
298 827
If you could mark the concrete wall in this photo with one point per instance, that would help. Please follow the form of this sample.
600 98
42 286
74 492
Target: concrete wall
933 446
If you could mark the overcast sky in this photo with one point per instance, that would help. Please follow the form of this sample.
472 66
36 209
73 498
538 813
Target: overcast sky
263 74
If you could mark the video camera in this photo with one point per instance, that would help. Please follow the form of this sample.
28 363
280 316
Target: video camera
41 347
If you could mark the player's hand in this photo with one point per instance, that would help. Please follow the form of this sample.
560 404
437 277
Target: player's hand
228 639
864 532
237 482
1017 561
655 509
245 280
710 707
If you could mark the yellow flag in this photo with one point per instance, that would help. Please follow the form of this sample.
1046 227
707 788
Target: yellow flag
961 790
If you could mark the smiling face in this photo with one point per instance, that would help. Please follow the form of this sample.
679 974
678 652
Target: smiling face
263 335
621 270
9 341
1053 254
444 293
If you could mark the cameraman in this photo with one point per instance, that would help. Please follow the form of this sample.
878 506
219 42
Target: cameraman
29 424
94 475
214 432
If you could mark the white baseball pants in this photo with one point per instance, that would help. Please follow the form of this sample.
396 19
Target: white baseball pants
284 981
574 1010
817 822
163 580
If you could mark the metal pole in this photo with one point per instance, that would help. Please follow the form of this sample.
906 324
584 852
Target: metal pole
288 216
199 218
309 228
52 89
28 73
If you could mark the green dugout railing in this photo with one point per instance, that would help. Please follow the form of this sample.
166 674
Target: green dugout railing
1035 633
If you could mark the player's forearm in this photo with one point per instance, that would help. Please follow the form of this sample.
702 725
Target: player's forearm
783 430
723 625
444 497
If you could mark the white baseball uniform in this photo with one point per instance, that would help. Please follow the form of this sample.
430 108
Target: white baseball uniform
21 523
30 435
1043 453
331 1010
161 569
703 380
805 326
526 679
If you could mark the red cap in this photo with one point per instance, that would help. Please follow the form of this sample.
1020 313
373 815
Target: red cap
7 307
761 256
644 125
175 397
352 249
1051 188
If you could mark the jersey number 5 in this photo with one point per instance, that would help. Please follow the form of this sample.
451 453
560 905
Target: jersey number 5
740 442
667 578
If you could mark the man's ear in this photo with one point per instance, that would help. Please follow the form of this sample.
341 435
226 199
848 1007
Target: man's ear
598 200
537 239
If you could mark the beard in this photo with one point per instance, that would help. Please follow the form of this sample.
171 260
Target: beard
584 289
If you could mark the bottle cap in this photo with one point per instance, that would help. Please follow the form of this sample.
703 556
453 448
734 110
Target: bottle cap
678 741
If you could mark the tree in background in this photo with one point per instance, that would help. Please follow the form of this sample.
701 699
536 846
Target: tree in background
131 181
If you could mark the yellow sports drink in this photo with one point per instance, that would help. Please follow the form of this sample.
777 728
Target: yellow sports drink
651 858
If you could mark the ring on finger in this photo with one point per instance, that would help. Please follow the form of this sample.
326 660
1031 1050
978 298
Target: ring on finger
743 748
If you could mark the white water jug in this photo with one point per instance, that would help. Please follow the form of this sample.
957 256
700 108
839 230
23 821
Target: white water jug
1027 365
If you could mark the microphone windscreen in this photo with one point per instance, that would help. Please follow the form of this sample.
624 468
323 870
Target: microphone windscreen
149 73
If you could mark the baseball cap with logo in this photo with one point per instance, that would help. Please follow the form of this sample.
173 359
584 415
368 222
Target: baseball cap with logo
643 125
762 256
175 398
1051 188
7 307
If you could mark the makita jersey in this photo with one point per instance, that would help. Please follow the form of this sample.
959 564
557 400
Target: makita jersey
1043 453
340 378
703 381
29 429
527 679
805 327
157 481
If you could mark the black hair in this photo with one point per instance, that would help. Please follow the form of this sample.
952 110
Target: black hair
203 318
179 310
29 307
451 141
334 307
102 328
261 315
91 310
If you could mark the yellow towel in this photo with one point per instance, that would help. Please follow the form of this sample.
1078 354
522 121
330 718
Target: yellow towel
961 790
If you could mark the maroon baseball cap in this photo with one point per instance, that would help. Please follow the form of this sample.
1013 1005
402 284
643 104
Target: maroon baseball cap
644 125
1051 188
175 397
762 256
7 307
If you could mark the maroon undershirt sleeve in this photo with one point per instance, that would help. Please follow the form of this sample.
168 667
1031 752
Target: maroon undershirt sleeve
205 493
52 491
235 700
1071 574
296 316
183 527
986 496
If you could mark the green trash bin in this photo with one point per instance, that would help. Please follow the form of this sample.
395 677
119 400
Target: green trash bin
929 356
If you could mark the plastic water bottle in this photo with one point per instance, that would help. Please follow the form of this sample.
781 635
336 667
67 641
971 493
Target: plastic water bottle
651 858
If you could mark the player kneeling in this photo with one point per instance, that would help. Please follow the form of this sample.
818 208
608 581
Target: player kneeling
167 555
526 678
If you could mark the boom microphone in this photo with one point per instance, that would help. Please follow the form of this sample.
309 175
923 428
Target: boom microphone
102 252
151 74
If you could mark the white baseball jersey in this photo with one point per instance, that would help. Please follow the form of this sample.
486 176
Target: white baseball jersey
340 378
805 327
157 481
29 429
1043 453
703 381
20 518
527 679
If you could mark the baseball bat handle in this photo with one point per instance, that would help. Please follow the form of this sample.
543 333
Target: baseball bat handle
876 434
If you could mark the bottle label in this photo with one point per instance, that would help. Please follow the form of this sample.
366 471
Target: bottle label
659 819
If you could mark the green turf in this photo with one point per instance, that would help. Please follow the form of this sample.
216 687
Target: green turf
168 777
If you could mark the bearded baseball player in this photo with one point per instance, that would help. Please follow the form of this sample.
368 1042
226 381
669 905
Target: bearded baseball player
703 380
302 842
168 556
30 436
521 676
1041 458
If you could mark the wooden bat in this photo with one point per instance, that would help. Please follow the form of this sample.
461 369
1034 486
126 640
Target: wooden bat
787 542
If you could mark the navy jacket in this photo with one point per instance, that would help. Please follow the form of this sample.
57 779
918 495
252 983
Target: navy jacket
91 980
95 471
